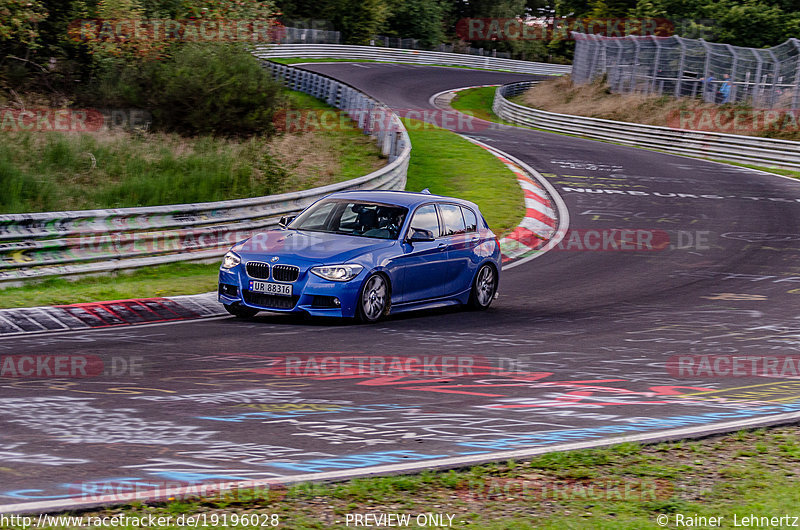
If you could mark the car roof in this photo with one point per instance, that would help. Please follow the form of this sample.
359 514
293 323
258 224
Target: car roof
409 199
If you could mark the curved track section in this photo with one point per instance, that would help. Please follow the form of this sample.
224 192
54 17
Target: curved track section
585 345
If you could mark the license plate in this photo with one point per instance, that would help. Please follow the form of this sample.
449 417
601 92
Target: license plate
281 289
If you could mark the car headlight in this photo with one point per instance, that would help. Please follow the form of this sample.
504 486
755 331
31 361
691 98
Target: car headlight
230 260
337 273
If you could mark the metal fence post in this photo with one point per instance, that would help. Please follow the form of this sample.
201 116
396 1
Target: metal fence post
679 75
656 64
777 65
796 97
634 64
705 86
757 81
734 64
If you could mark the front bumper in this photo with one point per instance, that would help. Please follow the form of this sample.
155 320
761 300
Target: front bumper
310 294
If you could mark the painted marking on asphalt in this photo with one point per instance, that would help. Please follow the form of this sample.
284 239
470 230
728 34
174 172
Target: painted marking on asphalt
476 457
780 391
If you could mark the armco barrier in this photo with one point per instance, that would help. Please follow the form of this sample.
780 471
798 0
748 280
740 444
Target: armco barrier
39 245
736 148
377 53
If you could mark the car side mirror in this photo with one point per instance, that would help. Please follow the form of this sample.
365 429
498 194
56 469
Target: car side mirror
285 220
420 235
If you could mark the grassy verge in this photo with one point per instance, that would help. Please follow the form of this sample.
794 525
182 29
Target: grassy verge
627 486
476 101
296 60
164 280
441 161
52 171
776 170
450 165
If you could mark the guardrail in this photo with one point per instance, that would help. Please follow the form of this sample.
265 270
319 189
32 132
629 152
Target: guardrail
39 245
732 147
377 53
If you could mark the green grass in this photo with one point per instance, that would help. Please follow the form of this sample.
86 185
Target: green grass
771 169
56 171
164 280
476 101
624 486
296 60
450 165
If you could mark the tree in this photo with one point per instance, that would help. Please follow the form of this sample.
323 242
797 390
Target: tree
19 26
357 20
417 19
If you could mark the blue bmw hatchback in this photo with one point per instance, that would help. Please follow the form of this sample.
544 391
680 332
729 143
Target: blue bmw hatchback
365 254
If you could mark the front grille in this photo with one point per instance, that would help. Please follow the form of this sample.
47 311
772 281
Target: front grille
269 301
285 273
258 270
228 290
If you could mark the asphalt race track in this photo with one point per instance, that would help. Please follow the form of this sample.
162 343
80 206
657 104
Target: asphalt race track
583 344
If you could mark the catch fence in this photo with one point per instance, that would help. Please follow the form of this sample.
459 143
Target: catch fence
718 73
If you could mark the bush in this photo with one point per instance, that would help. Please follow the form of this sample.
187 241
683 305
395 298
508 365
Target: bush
202 89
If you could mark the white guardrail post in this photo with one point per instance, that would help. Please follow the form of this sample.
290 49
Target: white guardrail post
39 245
736 148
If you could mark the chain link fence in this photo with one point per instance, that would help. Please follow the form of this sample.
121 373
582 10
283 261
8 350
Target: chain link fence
680 67
289 35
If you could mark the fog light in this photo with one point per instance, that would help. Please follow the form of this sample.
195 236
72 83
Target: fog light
325 302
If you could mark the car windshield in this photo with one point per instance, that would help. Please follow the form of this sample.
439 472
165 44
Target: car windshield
354 218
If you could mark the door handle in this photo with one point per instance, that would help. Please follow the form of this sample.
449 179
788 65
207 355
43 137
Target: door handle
442 246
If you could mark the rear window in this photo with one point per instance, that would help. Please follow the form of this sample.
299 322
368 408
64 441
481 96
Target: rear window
470 219
453 220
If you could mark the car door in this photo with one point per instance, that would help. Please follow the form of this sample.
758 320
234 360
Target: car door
459 233
424 263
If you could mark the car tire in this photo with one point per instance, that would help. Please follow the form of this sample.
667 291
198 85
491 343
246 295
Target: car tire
374 300
240 311
484 288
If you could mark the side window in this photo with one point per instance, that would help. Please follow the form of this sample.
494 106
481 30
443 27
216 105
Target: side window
349 217
470 219
453 221
425 218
